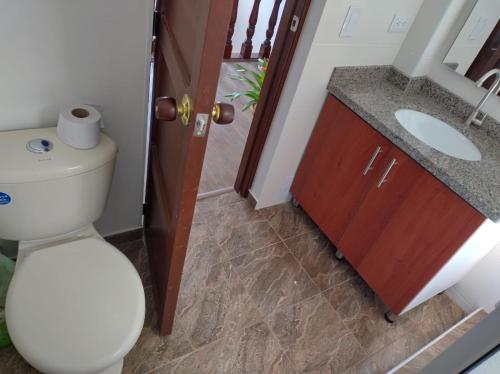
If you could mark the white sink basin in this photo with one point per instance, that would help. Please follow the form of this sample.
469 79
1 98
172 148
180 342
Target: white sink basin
437 134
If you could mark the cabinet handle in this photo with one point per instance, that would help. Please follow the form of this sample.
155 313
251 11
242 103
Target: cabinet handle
372 160
386 173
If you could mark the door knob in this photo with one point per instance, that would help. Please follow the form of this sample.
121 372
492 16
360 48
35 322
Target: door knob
167 109
223 113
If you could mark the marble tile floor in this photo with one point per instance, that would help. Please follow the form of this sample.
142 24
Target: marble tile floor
263 293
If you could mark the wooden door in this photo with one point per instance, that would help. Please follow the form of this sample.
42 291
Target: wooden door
338 167
190 47
405 230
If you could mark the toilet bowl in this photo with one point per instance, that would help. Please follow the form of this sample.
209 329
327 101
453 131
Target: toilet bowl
75 303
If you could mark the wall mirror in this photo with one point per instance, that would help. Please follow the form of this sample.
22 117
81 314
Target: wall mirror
476 50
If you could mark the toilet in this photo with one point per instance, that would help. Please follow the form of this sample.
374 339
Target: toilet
75 303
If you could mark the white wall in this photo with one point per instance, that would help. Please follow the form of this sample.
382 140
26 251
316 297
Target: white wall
480 288
305 89
58 52
241 25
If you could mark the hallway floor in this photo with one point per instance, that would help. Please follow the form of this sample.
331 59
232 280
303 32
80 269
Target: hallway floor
262 293
226 142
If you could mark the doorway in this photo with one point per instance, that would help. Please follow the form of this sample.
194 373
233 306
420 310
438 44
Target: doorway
227 142
261 41
249 44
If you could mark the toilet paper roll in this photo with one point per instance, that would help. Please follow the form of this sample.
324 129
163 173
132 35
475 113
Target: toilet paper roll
79 126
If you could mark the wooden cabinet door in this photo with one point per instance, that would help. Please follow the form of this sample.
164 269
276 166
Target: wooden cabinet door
334 173
405 230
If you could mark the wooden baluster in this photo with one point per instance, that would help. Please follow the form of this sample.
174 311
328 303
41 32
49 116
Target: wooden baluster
265 48
229 41
246 46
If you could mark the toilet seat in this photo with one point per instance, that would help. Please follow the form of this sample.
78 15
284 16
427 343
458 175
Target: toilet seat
77 307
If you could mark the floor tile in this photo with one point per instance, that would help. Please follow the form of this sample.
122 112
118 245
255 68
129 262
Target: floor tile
220 211
314 336
443 343
287 220
274 278
251 304
184 365
153 350
436 315
363 313
215 306
137 253
251 350
316 254
203 250
11 362
367 366
239 240
394 353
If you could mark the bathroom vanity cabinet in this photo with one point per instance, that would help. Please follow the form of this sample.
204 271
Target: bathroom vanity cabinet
396 224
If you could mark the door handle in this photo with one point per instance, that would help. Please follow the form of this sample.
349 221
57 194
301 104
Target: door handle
386 173
223 113
167 109
369 167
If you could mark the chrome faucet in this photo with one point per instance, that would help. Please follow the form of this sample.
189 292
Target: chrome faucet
477 116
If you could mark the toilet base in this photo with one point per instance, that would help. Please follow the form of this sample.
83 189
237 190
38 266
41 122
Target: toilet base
115 369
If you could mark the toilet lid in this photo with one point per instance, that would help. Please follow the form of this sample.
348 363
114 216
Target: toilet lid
77 307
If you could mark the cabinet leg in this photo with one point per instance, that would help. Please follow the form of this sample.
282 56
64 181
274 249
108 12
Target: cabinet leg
338 255
295 203
390 317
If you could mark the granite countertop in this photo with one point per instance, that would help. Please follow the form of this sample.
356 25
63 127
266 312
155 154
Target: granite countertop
375 93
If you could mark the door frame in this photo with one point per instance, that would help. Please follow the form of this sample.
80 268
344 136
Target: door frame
280 61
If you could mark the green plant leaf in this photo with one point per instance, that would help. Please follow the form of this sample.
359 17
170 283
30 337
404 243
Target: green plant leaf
251 94
234 95
253 85
240 68
259 78
248 105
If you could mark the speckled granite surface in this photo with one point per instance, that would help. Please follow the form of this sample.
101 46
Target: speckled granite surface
375 93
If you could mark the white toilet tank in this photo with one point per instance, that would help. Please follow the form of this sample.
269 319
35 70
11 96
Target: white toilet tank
48 188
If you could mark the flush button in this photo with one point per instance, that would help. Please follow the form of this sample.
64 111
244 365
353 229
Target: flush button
39 145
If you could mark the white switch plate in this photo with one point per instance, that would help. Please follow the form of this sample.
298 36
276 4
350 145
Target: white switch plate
399 24
350 22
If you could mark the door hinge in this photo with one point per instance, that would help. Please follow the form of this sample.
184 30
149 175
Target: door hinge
156 22
295 23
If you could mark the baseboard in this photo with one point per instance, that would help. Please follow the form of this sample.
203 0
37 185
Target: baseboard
460 299
252 199
125 236
206 195
435 340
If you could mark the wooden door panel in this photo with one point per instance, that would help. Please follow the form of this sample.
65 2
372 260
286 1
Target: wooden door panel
405 231
329 183
177 17
191 42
